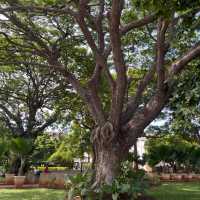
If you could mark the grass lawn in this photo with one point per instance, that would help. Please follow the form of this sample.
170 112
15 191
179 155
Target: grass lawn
176 191
167 191
31 194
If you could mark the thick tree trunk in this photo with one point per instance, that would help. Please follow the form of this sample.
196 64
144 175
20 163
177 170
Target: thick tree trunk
107 165
109 152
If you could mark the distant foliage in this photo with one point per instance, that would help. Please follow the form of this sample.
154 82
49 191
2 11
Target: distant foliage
74 144
175 151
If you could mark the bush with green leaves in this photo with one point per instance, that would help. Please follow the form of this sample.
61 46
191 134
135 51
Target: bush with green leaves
44 146
74 144
15 149
174 150
21 148
129 184
3 158
79 185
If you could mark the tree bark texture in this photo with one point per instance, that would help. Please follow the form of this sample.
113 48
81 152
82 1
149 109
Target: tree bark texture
108 154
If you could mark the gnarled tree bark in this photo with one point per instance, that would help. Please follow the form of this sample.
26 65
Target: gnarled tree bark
108 154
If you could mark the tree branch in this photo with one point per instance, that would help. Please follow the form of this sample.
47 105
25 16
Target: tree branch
134 128
138 23
181 63
13 117
38 9
48 122
132 25
99 26
7 122
161 49
151 110
27 30
84 28
136 99
93 85
84 93
118 58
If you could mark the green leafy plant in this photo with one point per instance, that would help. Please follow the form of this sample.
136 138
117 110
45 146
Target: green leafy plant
3 158
174 150
79 185
21 148
3 148
130 184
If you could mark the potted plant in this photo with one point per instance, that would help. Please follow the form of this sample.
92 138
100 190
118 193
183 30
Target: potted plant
9 177
21 148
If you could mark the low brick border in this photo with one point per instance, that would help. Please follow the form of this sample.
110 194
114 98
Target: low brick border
26 186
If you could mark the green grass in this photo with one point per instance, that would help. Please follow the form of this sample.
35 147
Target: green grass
31 194
176 191
167 191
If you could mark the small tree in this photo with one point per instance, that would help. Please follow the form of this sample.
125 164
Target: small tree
21 149
74 144
3 150
44 146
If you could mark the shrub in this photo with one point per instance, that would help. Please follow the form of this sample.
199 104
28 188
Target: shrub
129 184
79 185
42 168
153 179
175 151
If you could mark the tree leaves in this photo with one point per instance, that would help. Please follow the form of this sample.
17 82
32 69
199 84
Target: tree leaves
21 146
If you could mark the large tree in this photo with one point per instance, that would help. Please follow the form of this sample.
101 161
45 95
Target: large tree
29 103
110 38
28 100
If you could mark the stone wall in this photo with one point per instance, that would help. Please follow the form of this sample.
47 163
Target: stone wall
54 179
